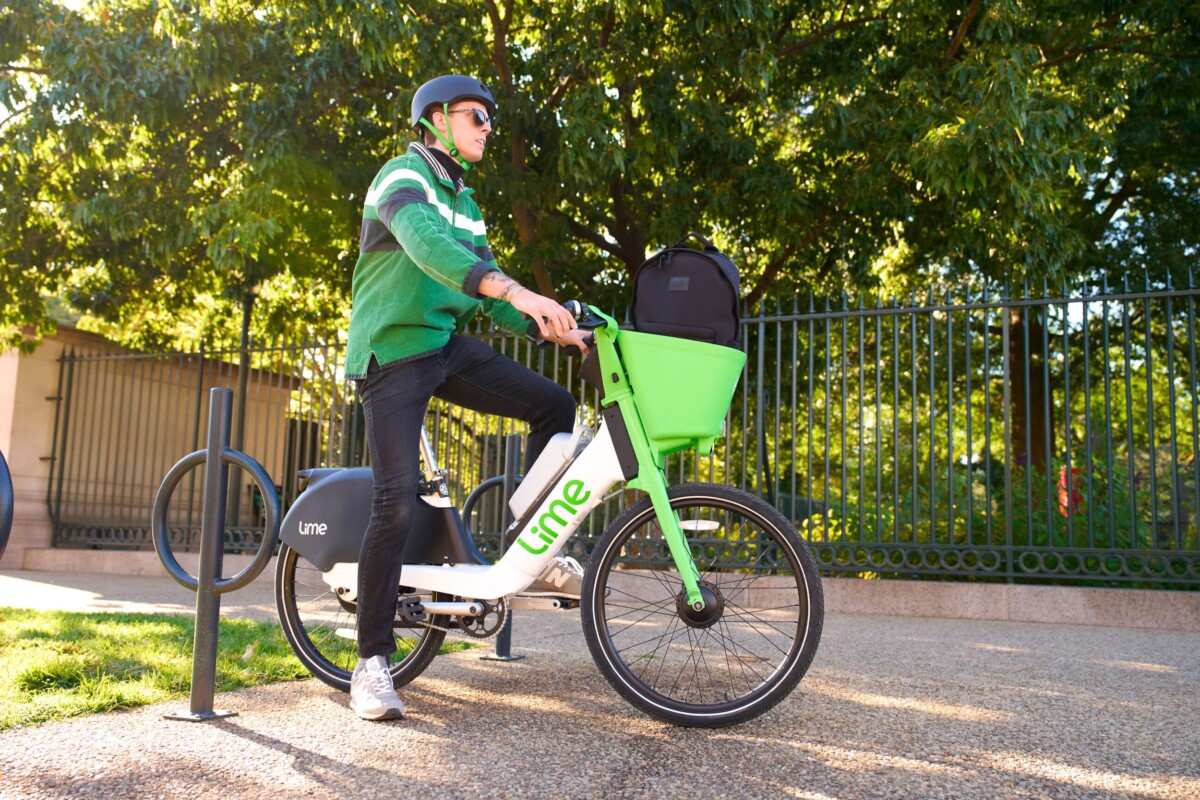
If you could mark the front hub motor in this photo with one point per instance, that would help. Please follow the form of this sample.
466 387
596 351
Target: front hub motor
714 606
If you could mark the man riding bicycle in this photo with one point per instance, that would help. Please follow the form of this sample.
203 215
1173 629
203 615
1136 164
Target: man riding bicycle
424 270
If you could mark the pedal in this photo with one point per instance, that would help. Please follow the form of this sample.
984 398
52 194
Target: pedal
410 608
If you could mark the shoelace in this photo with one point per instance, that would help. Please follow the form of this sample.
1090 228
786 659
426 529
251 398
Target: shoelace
571 563
380 681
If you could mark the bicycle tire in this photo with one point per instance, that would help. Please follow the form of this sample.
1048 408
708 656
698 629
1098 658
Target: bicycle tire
756 637
323 631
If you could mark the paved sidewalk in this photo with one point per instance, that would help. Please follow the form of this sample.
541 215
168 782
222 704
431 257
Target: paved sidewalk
892 707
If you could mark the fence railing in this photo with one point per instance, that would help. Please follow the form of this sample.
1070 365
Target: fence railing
992 437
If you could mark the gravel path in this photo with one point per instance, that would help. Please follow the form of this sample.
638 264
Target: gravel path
892 707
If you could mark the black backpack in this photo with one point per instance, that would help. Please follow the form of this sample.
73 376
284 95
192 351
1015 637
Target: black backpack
689 293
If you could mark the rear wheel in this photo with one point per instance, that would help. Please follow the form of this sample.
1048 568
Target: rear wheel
750 645
322 628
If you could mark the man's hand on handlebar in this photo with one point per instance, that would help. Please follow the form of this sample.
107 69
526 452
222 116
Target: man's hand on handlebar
553 321
580 339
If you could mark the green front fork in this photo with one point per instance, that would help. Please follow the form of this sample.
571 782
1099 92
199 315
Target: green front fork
652 482
650 478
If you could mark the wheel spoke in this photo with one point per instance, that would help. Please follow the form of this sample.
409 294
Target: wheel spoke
730 662
746 616
322 629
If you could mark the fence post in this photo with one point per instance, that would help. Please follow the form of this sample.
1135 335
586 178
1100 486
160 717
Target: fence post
1006 393
209 585
512 461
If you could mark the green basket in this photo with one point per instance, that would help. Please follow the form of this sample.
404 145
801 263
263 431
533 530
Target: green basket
682 388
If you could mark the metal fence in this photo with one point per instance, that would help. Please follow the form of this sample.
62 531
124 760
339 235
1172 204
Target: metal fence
985 437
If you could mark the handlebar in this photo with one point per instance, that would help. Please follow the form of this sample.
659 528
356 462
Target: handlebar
585 318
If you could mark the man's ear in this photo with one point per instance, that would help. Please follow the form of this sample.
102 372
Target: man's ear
438 118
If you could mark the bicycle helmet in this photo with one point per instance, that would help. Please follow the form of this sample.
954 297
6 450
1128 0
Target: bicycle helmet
444 91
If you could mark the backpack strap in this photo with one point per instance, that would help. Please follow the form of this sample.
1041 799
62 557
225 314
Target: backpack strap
707 244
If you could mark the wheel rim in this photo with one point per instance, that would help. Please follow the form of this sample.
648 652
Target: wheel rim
326 629
707 663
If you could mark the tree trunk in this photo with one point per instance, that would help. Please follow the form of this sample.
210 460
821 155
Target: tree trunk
1032 424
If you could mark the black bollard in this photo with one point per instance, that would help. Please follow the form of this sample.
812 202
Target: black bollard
512 461
212 546
209 585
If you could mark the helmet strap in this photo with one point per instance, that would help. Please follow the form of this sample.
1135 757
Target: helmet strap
446 141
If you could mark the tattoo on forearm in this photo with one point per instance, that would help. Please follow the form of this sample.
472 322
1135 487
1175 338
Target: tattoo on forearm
511 287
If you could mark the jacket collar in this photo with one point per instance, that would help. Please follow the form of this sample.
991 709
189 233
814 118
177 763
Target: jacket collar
438 170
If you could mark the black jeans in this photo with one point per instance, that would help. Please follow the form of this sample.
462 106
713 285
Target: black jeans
469 373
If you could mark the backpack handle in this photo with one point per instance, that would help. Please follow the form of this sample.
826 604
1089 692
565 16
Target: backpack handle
693 235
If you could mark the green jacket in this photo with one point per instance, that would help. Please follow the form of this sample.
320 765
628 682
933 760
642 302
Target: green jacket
422 253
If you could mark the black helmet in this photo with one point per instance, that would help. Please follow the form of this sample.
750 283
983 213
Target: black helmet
448 89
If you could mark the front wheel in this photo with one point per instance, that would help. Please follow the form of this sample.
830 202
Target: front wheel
322 628
756 636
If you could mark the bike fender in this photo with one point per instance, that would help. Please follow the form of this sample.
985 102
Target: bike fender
327 522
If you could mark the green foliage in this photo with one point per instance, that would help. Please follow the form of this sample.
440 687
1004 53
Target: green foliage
162 161
60 664
65 664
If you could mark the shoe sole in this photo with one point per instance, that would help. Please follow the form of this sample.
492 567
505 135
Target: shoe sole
387 713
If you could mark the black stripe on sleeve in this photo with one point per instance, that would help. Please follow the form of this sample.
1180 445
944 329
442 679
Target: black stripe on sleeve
388 206
376 238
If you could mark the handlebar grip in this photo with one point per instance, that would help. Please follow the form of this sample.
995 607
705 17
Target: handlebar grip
582 314
575 308
572 350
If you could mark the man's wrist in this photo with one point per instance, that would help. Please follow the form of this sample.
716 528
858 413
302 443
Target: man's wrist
508 287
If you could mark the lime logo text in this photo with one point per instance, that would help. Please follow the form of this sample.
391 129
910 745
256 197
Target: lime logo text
553 522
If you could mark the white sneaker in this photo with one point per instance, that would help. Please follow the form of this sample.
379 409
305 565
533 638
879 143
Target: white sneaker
372 695
562 577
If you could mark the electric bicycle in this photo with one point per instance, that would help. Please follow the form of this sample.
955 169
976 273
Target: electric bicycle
701 604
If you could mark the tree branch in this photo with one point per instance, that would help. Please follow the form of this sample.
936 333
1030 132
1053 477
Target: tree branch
825 33
1108 22
1116 200
588 235
565 82
739 93
4 122
969 17
1071 55
769 274
499 42
15 68
776 264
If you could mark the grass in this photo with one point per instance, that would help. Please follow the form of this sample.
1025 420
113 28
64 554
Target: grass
56 664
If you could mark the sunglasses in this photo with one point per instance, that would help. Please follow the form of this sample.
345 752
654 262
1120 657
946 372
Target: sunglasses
478 117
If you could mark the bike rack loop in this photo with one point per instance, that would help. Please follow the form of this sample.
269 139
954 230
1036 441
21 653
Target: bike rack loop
209 585
6 504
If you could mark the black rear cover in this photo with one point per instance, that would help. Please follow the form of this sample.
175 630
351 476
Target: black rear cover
327 522
689 293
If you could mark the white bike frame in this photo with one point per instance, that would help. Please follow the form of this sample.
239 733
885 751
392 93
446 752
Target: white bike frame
577 491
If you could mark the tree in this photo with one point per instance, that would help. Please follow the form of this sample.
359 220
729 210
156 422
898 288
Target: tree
164 163
148 171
